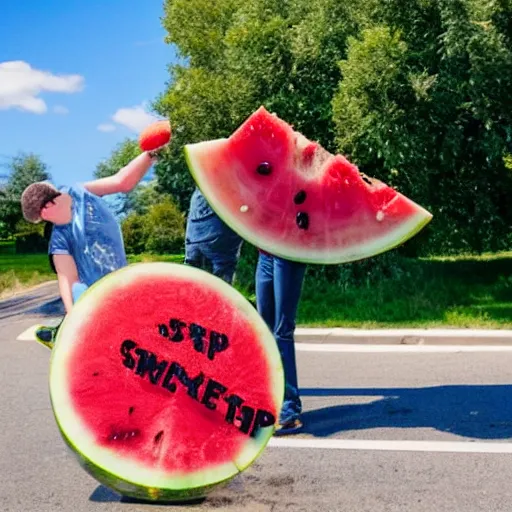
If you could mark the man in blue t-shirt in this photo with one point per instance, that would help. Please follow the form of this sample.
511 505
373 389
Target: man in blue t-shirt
86 241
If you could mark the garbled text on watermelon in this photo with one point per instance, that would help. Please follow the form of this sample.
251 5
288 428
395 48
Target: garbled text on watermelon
168 374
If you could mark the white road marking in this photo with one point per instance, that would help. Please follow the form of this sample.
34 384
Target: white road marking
407 446
414 349
28 335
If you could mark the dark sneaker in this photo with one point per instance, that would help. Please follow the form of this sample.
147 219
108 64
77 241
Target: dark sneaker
288 427
46 335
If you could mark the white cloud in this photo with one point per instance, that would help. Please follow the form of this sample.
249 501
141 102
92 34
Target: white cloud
134 118
20 86
59 109
105 127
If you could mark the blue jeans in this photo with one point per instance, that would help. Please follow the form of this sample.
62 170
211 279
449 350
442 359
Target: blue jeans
278 291
209 243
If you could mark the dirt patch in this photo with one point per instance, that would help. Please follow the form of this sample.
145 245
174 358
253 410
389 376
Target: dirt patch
281 481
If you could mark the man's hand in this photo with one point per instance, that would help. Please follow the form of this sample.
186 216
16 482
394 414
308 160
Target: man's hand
157 152
67 275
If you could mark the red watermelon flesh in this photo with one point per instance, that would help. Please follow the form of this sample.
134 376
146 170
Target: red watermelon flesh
154 136
290 197
160 378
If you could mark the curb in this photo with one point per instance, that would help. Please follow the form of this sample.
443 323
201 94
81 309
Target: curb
404 336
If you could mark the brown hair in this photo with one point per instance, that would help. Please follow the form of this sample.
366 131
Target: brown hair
34 198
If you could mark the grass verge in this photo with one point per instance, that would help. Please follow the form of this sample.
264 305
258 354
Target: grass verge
458 292
18 272
22 271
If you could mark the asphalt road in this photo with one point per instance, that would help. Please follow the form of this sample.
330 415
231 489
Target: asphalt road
385 431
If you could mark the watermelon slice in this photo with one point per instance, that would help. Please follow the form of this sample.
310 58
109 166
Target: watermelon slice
165 382
292 198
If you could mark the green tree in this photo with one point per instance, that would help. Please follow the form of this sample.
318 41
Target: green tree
416 92
23 169
240 56
198 28
289 52
433 116
195 100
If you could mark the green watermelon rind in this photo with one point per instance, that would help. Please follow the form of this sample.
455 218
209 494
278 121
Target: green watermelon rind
129 489
97 461
390 240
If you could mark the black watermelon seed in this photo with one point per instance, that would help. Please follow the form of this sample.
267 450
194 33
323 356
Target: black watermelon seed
158 437
302 220
300 197
95 374
130 410
366 179
162 329
264 169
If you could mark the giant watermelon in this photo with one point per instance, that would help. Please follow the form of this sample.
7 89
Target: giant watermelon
289 196
165 382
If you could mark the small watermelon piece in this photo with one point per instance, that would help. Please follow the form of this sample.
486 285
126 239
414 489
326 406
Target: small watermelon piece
155 135
290 197
165 382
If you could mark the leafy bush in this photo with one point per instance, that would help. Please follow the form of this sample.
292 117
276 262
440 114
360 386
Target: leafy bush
31 238
167 228
134 233
160 230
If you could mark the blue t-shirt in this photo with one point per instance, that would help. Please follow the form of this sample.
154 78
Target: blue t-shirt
204 225
93 237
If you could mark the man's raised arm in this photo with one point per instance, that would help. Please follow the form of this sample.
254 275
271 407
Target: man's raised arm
125 180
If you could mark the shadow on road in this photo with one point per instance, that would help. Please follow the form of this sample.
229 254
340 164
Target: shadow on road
103 494
31 304
52 308
15 301
475 411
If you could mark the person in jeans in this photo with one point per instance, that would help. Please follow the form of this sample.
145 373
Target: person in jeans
278 290
209 243
86 241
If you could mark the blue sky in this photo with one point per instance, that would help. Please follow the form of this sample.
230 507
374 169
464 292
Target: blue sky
70 69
